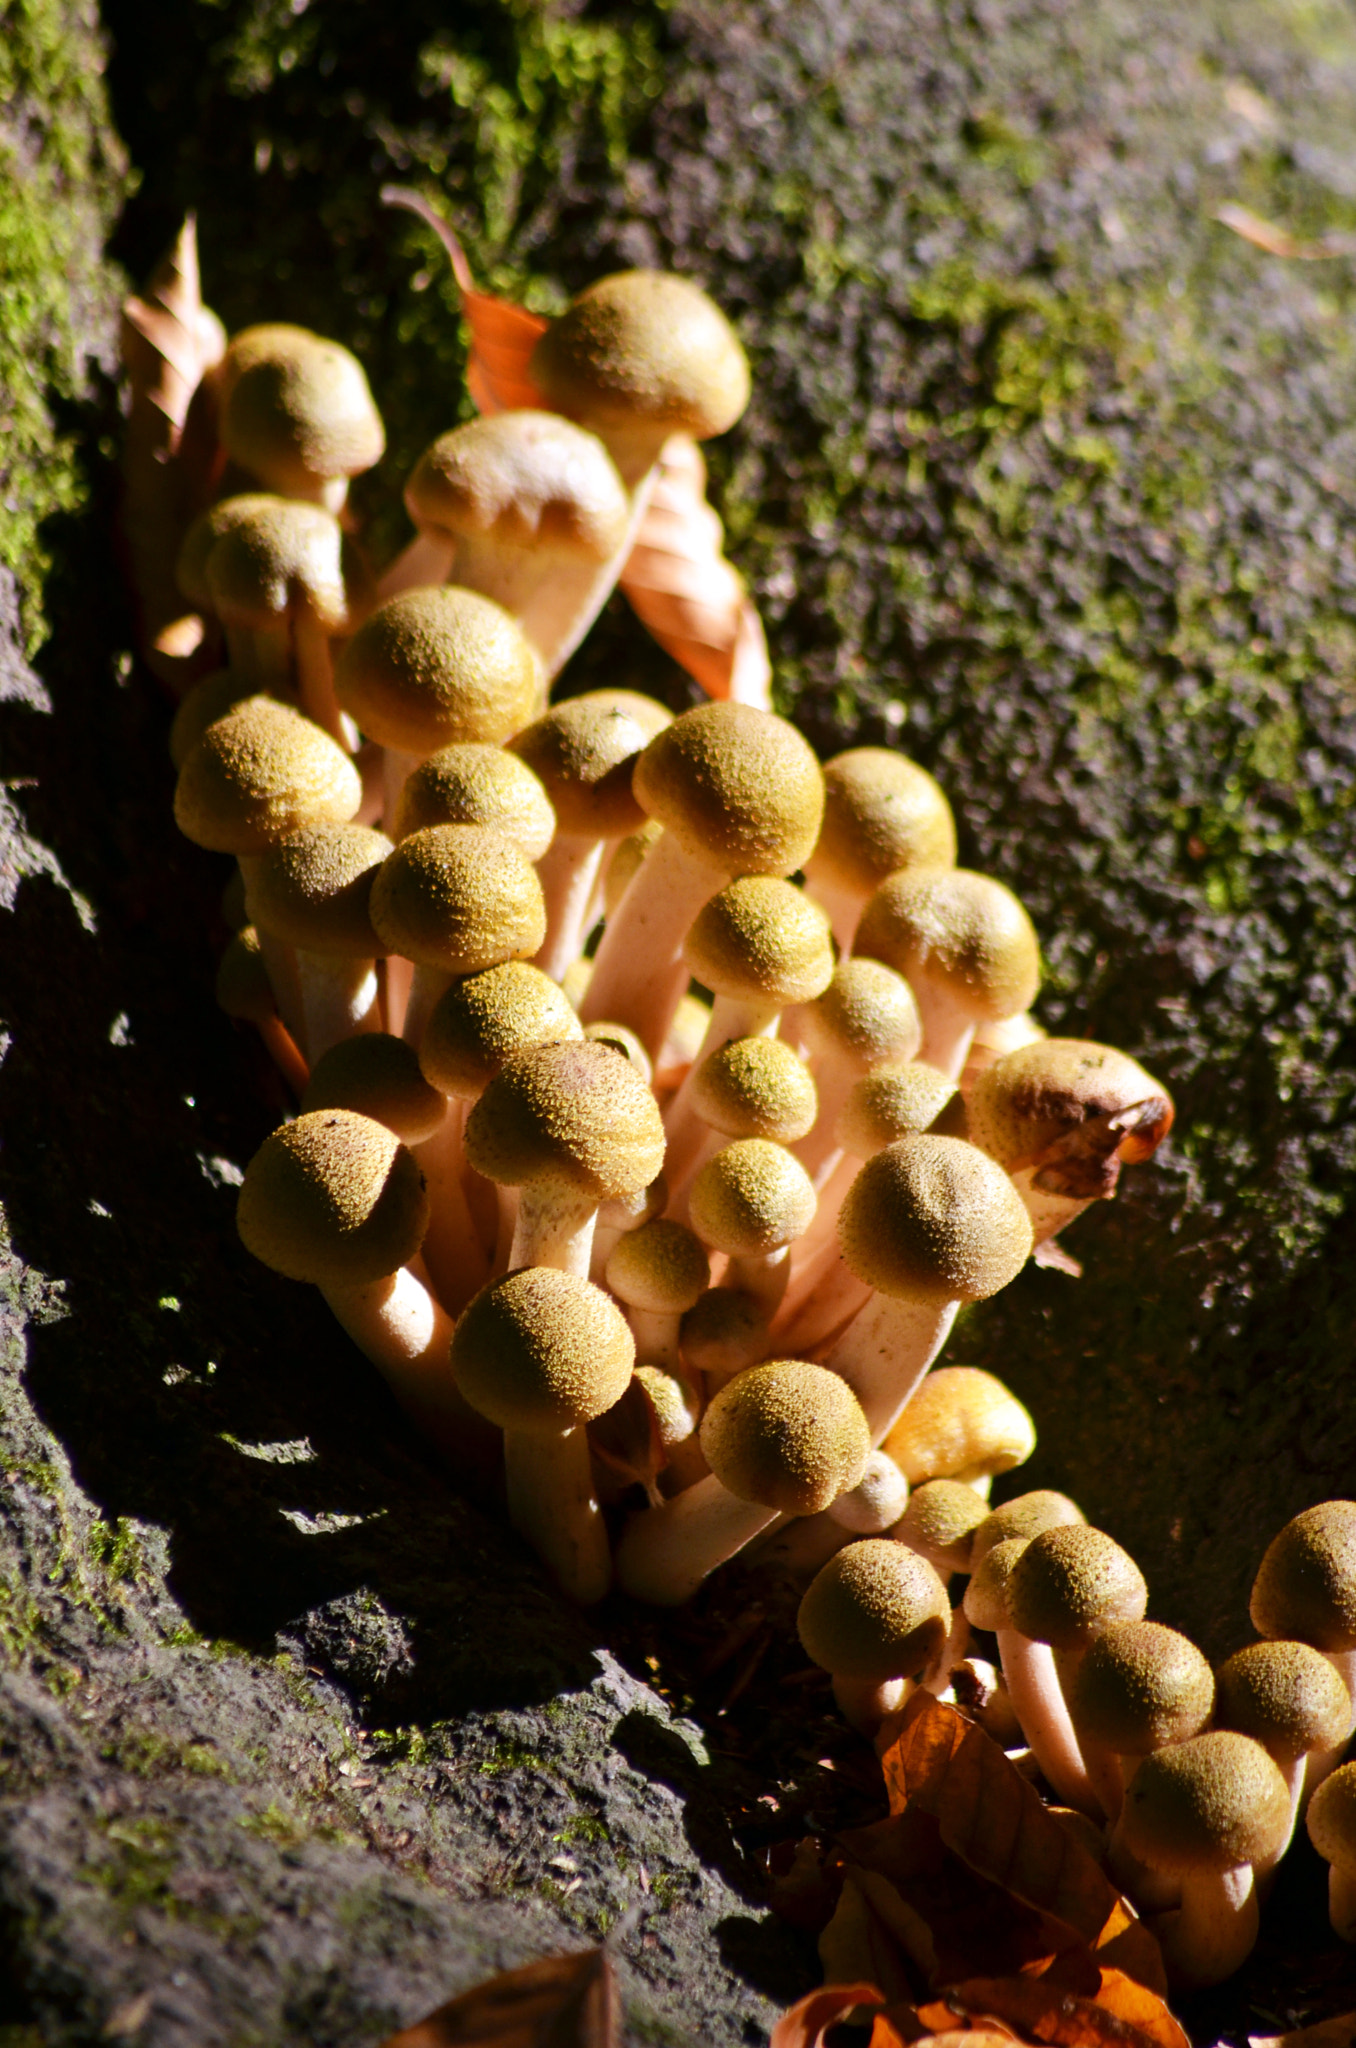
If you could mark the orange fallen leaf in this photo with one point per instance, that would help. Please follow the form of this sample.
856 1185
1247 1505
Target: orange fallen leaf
1122 2015
809 2019
503 335
559 2002
871 1933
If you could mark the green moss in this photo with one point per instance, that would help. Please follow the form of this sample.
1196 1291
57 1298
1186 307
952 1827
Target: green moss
118 1551
146 1753
511 1756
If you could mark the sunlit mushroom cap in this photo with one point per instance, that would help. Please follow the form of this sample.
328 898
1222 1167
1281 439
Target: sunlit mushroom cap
963 930
431 668
458 899
577 1113
986 1596
1286 1696
473 783
1141 1686
377 1075
788 1435
541 1349
644 347
751 1197
584 755
313 889
650 715
1026 1516
961 1420
875 1611
1072 1583
297 410
1210 1804
661 1267
333 1198
934 1216
882 813
280 559
761 939
892 1103
523 480
940 1522
260 773
738 787
211 526
480 1022
1306 1584
673 1404
755 1088
1072 1109
867 1015
1331 1819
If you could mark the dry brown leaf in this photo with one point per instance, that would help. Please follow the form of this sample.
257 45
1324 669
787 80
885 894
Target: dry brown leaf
810 2018
503 335
1278 241
560 2002
1335 2033
1123 2014
627 1442
989 1816
870 1935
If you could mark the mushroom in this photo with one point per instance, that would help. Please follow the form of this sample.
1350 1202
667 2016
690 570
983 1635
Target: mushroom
865 1019
311 891
962 1424
473 783
1305 1591
1025 1516
1287 1697
876 1502
543 1353
1139 1687
1028 1670
752 1200
658 1272
746 1088
297 413
210 698
883 814
378 1076
940 1521
1331 1821
783 1438
723 1332
876 1614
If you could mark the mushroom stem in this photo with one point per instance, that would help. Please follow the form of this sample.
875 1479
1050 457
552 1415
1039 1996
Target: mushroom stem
552 1505
401 1327
865 1702
948 1028
427 984
822 1296
1213 1932
554 1228
667 1552
885 1351
638 972
452 1250
1038 1702
315 681
424 562
554 598
280 964
569 876
842 907
339 999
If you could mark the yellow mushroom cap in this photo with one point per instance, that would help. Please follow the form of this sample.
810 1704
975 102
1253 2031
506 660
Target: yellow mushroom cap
480 1022
577 1113
431 668
584 755
755 1088
650 715
986 1596
868 1015
1026 1516
1286 1696
280 559
643 347
1073 1109
940 1522
960 1420
752 1197
312 889
209 699
542 1350
297 409
1331 1819
882 813
963 930
1141 1686
259 774
760 939
473 783
333 1198
377 1075
1071 1583
788 1435
934 1216
1306 1584
190 568
524 480
738 787
459 899
661 1267
1210 1804
892 1103
724 1331
875 1611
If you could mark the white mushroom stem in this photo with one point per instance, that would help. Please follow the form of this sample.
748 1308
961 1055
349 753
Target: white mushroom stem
426 561
1213 1931
842 907
315 682
936 1679
551 1503
666 1552
554 596
452 1249
885 1351
638 973
426 985
656 1335
399 767
823 1294
568 872
264 657
1038 1702
398 1323
554 1227
865 1702
819 1151
339 999
763 1275
948 1027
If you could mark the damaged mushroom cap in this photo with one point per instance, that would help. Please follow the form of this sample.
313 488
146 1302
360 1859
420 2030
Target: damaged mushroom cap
259 774
297 410
542 1349
644 347
584 755
1286 1696
377 1075
333 1198
432 668
934 1216
473 783
524 480
482 1021
1209 1804
760 939
882 813
960 1420
661 1268
458 899
1306 1583
1073 1109
1025 1517
751 1198
875 1611
1070 1584
788 1435
940 1522
1140 1687
755 1088
579 1113
312 889
965 931
739 788
896 1102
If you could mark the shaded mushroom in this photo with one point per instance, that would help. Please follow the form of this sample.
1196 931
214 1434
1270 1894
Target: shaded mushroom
876 1614
311 891
1331 1821
1288 1697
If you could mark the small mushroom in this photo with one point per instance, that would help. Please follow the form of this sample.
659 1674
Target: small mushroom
940 1522
1287 1697
746 1088
473 783
659 1272
962 1424
297 413
1305 1591
876 1615
867 1018
1140 1687
876 1502
752 1200
883 814
1331 1821
311 892
723 1332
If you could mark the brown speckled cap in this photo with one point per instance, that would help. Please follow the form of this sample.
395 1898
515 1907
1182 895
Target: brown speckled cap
260 773
297 410
644 347
1071 1583
1072 1109
867 1015
934 1216
312 889
724 1331
1306 1584
280 559
1141 1686
940 1523
473 783
480 1022
431 668
751 1197
1331 1819
755 1088
788 1435
760 939
650 715
738 787
963 930
875 1611
892 1103
458 899
542 1350
584 755
208 700
1210 1804
661 1267
333 1198
959 1420
524 480
377 1075
882 813
1286 1696
576 1113
1025 1516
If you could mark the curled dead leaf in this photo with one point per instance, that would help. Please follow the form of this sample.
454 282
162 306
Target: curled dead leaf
559 2002
1122 2014
809 2019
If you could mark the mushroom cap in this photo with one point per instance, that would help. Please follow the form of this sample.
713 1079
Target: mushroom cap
473 783
458 899
377 1075
755 1088
986 1596
1072 1583
662 1267
875 1611
190 568
672 1403
1026 1516
430 668
333 1198
750 1198
961 931
867 1015
1331 1819
650 715
297 409
625 1041
738 787
480 1022
882 813
1286 1696
891 1103
1210 1804
577 1113
210 698
788 1435
312 889
934 1217
940 1522
760 939
724 1331
1140 1687
259 774
523 480
1306 1584
542 1350
1074 1110
960 1419
878 1499
584 755
644 348
280 558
